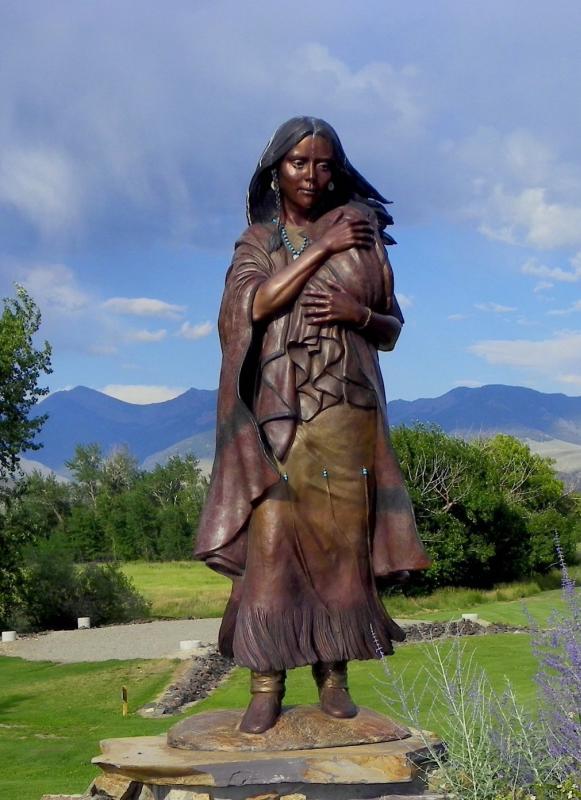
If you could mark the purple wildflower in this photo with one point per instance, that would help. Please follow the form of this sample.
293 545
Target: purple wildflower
559 652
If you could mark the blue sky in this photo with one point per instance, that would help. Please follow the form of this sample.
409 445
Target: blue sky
129 131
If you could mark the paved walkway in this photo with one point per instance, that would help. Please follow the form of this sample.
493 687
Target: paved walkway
159 639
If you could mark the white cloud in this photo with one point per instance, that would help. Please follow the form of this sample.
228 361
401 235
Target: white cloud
143 307
55 289
404 300
147 336
533 267
495 308
524 190
571 378
542 285
518 155
120 151
457 317
526 322
189 331
527 217
548 356
313 71
561 312
142 394
73 319
41 184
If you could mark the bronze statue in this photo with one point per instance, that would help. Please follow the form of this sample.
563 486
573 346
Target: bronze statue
307 505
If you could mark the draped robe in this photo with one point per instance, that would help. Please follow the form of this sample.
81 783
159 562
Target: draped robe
279 374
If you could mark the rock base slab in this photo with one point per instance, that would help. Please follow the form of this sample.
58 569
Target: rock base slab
351 772
298 728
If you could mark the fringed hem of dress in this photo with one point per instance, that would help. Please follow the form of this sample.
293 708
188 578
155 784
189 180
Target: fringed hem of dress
267 640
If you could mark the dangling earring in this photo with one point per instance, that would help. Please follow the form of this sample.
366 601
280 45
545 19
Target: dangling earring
331 186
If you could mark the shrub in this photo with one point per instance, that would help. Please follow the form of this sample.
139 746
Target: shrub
107 595
56 592
49 595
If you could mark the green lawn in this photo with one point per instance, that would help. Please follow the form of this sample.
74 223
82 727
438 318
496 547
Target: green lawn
183 589
53 716
501 656
512 612
180 589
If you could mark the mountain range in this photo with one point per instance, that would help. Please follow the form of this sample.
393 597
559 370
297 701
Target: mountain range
551 423
82 416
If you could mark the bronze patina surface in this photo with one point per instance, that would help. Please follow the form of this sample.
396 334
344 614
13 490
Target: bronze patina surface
307 505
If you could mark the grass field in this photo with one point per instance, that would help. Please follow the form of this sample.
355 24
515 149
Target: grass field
511 612
180 589
53 716
184 589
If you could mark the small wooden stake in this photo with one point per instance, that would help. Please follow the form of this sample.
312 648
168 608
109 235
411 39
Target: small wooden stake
124 698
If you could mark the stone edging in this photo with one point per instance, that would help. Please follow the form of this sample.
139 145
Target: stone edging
204 673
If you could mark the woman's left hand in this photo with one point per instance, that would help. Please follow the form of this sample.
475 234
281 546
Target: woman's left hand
334 305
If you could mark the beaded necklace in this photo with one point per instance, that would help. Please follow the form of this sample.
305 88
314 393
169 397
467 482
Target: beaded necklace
289 245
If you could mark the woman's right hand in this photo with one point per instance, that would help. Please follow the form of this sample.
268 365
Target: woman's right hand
346 233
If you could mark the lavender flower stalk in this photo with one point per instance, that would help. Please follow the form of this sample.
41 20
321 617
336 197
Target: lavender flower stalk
558 649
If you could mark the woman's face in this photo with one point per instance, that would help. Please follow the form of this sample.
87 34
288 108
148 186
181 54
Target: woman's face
304 174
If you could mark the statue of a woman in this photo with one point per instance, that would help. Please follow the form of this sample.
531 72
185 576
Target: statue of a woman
307 505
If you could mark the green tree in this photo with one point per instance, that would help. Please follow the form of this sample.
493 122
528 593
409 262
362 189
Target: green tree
523 477
87 468
120 472
119 475
21 365
40 504
179 490
488 511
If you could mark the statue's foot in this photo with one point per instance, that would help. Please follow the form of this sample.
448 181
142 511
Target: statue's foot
262 712
337 702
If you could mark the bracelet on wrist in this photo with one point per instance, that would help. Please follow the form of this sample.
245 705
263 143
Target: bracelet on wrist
365 323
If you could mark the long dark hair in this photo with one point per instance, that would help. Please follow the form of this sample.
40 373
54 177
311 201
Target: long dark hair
350 185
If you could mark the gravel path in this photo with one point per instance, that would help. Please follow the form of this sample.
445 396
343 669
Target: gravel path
159 639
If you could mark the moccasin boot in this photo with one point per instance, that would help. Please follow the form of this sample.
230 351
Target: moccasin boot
267 690
331 680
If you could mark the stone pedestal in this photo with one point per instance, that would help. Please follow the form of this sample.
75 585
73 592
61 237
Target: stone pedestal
297 728
214 761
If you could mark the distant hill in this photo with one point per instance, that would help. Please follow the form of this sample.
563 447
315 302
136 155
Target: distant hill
187 423
82 416
487 410
567 458
202 444
28 466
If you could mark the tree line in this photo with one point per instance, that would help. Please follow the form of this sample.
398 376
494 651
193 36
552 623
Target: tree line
111 510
